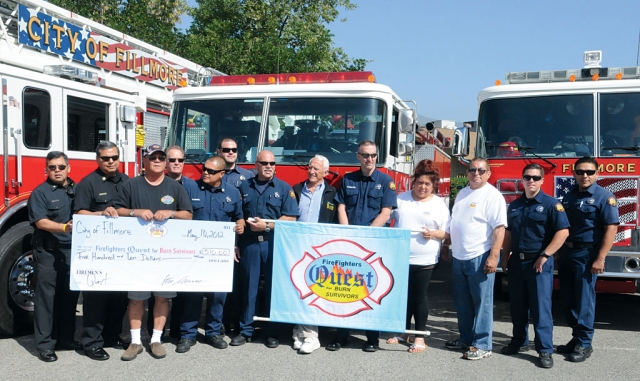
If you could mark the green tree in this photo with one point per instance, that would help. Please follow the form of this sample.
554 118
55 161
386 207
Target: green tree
267 36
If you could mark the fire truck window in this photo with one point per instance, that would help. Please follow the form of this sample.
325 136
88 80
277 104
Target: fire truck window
35 118
87 123
620 124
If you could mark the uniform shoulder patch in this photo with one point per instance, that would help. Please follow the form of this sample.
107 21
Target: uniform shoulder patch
292 194
392 185
612 201
559 207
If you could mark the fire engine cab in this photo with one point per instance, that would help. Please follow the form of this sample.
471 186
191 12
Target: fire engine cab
554 117
67 84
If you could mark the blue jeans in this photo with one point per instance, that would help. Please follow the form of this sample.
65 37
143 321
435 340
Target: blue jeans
473 298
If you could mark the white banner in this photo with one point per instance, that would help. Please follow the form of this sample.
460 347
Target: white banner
130 254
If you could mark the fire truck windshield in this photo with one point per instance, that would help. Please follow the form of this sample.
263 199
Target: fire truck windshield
296 129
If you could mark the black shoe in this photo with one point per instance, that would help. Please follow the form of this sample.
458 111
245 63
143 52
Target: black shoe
216 341
336 344
116 344
184 345
272 342
240 340
68 346
97 354
546 361
371 346
580 354
514 349
47 355
567 348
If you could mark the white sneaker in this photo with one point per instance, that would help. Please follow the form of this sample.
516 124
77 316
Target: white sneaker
310 344
296 343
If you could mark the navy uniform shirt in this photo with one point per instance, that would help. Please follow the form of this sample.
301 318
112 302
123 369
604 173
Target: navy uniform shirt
534 221
222 204
97 191
589 212
52 202
275 201
365 196
236 176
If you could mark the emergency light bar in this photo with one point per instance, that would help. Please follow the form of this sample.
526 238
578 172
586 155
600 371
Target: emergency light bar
293 78
70 72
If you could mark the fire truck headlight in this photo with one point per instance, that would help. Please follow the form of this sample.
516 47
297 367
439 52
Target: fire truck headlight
592 58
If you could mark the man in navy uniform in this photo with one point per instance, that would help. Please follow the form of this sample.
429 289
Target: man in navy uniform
537 226
50 206
365 198
234 175
212 200
593 215
263 197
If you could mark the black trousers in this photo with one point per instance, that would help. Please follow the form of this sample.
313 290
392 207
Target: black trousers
54 303
417 304
102 317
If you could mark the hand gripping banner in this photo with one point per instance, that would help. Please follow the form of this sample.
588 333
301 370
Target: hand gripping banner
340 276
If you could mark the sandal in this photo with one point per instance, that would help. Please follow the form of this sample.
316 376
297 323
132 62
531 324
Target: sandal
417 348
401 339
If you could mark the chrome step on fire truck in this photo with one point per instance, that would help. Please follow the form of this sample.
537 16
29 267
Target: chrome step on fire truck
67 84
554 117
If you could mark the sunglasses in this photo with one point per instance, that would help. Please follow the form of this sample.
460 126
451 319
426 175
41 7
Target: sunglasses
271 163
589 172
534 178
211 171
227 150
107 158
479 170
173 160
157 158
368 155
61 167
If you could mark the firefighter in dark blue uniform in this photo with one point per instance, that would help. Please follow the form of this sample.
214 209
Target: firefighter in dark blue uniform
50 206
537 226
365 198
593 215
212 200
263 197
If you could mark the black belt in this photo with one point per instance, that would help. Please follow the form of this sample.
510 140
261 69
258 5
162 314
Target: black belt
527 256
579 245
258 238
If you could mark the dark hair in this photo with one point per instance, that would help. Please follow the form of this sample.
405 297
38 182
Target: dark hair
56 155
533 166
586 160
427 168
367 143
106 145
224 140
480 159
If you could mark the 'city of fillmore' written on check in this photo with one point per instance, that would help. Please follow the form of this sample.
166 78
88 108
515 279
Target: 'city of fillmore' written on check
130 254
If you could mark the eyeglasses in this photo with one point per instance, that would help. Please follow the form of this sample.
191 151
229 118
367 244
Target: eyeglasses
227 150
61 167
589 172
157 158
107 158
368 155
173 160
211 171
534 178
265 163
479 170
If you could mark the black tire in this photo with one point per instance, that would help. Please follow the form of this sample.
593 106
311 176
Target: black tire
16 305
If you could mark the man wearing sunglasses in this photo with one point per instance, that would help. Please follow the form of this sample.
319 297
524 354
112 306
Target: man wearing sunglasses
263 197
477 233
212 200
50 208
102 310
594 219
365 198
153 196
234 175
537 226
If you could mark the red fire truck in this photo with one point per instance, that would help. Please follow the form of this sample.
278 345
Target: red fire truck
554 117
67 84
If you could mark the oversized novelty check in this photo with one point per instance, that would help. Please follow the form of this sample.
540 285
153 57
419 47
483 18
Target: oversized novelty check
130 254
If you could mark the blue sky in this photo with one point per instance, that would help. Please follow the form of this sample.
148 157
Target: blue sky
441 53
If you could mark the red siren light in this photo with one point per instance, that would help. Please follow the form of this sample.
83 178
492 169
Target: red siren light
293 78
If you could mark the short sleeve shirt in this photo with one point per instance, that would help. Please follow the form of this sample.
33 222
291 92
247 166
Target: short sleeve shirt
53 202
137 193
365 196
97 191
534 221
236 176
214 204
589 212
276 200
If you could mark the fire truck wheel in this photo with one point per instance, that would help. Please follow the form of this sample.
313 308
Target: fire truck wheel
17 283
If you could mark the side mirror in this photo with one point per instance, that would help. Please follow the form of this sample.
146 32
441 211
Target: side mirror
405 149
461 142
406 121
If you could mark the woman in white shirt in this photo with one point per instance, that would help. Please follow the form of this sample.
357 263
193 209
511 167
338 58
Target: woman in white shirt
421 209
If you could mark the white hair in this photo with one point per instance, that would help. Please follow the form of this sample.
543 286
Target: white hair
324 160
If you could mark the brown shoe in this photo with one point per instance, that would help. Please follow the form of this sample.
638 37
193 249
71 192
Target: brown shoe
132 352
158 351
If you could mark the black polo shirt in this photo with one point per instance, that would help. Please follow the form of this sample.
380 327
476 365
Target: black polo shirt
53 202
97 191
137 193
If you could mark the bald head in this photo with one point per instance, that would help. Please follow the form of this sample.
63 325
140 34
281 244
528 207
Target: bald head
266 165
214 164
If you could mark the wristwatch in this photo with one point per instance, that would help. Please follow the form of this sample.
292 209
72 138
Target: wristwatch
267 229
132 212
545 255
